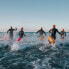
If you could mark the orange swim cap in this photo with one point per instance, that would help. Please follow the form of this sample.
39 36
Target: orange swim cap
54 26
11 27
21 28
62 29
41 28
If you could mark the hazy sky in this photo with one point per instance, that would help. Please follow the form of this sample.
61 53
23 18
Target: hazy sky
33 14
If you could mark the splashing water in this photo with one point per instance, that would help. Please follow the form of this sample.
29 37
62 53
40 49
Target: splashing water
31 53
14 47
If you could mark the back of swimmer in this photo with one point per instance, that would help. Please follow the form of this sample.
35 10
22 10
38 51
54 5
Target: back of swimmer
63 34
21 33
11 30
53 32
41 32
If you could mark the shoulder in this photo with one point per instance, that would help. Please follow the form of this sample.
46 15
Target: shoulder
19 31
9 29
43 31
22 31
13 29
56 29
39 30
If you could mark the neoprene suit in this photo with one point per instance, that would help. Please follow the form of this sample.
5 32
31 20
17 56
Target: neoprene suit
21 34
63 34
41 32
53 32
11 33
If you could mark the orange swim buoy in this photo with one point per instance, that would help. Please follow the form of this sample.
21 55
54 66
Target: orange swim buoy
51 39
5 37
41 38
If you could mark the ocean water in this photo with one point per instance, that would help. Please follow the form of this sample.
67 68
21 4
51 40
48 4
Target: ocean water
31 53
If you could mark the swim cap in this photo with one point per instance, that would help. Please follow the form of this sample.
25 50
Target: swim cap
62 29
54 26
11 27
41 28
21 28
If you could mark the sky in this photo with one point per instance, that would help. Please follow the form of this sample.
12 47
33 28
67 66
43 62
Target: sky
33 14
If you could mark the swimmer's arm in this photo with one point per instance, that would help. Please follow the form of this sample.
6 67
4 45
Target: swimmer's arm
37 31
44 32
15 29
65 33
24 34
50 31
59 32
19 33
8 31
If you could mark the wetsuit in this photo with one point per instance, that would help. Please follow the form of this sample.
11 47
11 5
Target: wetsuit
53 33
63 34
21 34
41 32
11 33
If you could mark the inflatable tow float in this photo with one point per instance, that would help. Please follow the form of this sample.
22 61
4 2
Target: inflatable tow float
51 39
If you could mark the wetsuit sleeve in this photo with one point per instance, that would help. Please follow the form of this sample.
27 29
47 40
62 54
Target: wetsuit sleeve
58 31
19 33
44 32
15 29
37 31
65 33
8 31
50 30
24 34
